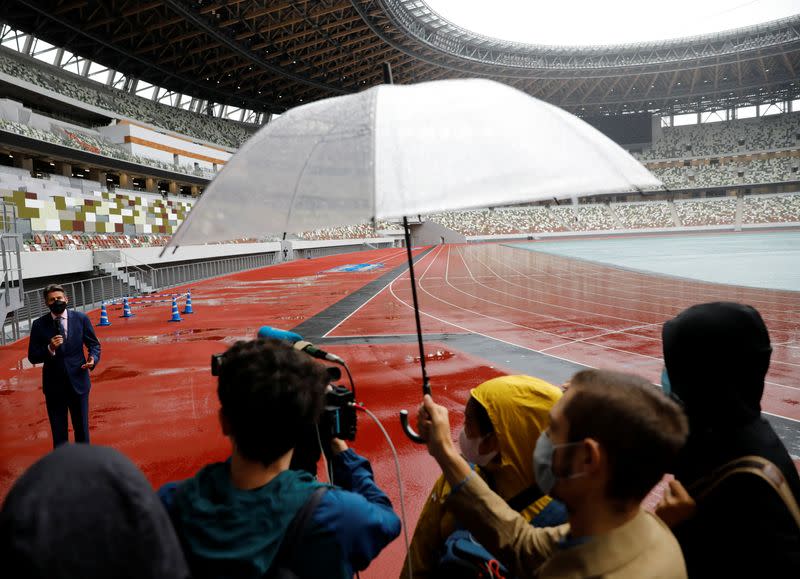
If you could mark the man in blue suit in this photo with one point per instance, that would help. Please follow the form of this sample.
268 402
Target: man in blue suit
57 340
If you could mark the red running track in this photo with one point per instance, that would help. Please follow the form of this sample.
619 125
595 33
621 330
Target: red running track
579 311
154 398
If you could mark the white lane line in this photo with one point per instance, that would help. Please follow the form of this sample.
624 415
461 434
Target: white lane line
376 294
547 304
468 330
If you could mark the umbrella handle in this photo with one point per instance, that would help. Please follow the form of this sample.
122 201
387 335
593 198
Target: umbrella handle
410 432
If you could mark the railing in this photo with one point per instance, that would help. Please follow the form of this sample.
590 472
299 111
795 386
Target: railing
312 252
11 288
174 275
8 214
11 248
142 269
88 294
83 295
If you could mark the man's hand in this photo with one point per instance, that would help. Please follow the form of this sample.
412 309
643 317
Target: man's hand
676 506
433 424
56 341
89 364
338 446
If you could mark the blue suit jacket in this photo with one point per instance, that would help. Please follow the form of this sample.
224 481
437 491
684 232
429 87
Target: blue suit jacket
69 356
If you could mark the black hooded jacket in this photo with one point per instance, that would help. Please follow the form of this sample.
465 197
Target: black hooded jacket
87 512
717 356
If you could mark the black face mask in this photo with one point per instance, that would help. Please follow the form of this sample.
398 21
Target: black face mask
58 307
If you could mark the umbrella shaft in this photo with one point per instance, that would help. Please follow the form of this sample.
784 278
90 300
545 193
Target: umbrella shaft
426 388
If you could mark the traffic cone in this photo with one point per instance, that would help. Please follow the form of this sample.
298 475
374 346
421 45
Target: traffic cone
104 321
188 308
126 309
176 315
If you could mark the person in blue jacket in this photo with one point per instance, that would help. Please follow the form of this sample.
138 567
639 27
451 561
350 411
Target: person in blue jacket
231 517
57 340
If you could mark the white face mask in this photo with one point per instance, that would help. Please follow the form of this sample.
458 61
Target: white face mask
469 449
543 463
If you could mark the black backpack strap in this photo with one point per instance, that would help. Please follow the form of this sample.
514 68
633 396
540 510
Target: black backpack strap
526 498
754 465
290 549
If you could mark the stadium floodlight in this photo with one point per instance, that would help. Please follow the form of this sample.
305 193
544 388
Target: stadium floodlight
404 150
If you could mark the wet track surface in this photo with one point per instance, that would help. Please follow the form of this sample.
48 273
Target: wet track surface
487 310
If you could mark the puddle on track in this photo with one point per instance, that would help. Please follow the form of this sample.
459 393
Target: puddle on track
115 373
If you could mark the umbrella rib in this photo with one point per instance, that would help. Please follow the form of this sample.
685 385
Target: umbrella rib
300 177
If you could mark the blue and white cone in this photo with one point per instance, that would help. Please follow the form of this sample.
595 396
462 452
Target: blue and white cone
188 308
104 321
176 315
126 309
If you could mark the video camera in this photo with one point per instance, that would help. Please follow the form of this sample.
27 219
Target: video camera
338 419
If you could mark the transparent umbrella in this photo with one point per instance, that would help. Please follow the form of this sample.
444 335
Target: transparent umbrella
400 150
395 151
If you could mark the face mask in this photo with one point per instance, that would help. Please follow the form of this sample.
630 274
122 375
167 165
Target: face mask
665 384
58 307
469 448
543 462
666 387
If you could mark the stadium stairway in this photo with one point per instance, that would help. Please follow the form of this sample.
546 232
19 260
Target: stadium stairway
675 217
431 233
567 225
615 218
132 280
12 297
739 212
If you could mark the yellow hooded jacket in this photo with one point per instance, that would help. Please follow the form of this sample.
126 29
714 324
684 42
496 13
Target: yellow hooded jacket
519 408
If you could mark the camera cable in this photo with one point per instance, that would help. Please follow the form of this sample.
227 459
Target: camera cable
399 480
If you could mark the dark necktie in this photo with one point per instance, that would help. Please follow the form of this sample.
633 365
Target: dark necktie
60 327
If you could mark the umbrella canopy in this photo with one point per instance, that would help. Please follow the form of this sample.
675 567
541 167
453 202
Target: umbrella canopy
402 150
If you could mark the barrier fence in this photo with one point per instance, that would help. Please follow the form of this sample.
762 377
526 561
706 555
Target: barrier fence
89 294
312 252
142 280
174 275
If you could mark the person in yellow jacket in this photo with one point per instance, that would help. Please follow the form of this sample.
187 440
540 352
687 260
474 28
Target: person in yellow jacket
611 438
502 421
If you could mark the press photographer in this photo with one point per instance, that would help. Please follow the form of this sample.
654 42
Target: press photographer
253 515
338 418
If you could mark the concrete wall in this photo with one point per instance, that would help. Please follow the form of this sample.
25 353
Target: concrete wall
50 263
430 233
303 244
150 255
137 139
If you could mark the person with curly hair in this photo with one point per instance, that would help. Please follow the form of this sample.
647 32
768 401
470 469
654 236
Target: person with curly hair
232 516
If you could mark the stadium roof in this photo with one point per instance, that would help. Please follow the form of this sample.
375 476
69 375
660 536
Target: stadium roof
274 54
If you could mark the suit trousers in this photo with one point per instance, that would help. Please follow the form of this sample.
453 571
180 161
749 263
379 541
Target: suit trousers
59 402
